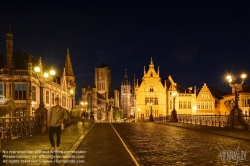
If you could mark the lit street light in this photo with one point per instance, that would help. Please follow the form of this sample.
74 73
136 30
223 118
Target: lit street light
43 77
235 119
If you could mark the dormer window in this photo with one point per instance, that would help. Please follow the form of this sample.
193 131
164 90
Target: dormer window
151 89
151 75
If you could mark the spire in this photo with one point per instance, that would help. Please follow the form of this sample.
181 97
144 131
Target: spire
83 84
94 84
68 65
151 65
9 49
125 78
158 72
40 62
9 30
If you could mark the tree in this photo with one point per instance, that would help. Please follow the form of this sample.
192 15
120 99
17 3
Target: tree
117 114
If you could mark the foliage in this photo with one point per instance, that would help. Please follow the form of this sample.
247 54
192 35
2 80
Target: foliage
117 114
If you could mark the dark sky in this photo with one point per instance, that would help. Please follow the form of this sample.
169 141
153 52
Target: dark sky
193 42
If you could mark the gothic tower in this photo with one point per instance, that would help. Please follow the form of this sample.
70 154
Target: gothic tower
68 69
70 78
9 49
125 97
103 79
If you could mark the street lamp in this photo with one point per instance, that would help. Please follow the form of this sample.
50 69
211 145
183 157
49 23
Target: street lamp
235 119
72 93
43 77
151 119
84 104
174 112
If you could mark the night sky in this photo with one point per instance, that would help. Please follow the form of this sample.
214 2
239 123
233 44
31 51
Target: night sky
195 43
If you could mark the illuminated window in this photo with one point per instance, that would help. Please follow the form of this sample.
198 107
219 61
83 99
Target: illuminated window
189 104
146 100
20 92
156 101
180 104
33 91
185 104
47 97
53 98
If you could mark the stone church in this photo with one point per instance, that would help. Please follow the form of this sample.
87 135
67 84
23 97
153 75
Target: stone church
100 100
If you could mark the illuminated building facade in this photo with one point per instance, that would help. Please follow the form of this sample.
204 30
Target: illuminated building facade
19 82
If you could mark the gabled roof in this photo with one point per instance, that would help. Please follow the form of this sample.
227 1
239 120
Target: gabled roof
216 92
21 59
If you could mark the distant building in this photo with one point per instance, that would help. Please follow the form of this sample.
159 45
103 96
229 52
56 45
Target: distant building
228 100
126 97
19 82
185 100
150 91
101 100
205 101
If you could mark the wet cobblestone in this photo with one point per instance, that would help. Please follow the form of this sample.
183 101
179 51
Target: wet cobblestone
169 145
104 148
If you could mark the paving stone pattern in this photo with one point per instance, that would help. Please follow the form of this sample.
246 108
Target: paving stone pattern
40 141
104 148
157 144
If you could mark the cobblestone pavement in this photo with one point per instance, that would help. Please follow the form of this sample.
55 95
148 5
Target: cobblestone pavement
104 148
157 144
39 143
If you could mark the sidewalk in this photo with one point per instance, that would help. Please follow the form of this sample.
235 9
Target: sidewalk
29 150
232 133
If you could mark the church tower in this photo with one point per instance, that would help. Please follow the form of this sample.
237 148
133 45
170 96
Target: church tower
68 69
70 78
125 97
103 79
9 49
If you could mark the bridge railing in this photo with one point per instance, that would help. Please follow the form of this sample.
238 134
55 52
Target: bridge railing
207 120
16 127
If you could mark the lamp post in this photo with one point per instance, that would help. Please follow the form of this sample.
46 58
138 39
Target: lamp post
151 119
71 93
174 112
235 119
41 111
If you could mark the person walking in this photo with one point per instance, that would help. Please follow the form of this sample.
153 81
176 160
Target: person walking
55 120
83 115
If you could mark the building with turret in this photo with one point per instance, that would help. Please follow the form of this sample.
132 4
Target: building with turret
126 97
100 100
20 83
150 94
